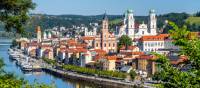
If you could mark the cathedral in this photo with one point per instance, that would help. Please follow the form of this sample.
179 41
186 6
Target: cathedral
136 31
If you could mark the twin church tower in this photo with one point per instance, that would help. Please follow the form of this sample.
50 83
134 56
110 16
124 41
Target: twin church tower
133 30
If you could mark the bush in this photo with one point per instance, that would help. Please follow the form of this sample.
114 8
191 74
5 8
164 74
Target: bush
89 71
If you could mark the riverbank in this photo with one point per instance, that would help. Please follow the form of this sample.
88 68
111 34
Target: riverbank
91 79
76 76
40 77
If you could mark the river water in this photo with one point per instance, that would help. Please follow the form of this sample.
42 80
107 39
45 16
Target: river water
40 77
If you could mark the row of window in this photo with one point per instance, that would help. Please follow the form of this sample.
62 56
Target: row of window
97 44
153 44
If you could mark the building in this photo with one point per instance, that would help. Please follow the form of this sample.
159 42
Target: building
105 40
133 30
146 63
88 40
156 43
93 32
39 34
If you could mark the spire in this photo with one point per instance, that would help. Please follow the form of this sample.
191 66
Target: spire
105 16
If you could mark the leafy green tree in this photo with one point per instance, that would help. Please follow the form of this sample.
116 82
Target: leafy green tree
14 13
133 74
125 41
173 77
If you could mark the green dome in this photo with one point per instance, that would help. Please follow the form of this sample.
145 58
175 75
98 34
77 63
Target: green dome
152 11
129 11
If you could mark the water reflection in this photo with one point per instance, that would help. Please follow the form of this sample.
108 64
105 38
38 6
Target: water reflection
41 77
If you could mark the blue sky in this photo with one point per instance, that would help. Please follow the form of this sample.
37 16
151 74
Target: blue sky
115 7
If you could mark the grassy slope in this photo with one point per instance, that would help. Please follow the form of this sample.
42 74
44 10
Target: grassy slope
193 20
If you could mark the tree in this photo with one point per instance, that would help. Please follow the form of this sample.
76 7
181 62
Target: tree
14 13
197 14
173 77
125 41
133 74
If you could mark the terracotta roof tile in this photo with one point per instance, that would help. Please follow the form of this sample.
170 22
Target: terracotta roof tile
160 37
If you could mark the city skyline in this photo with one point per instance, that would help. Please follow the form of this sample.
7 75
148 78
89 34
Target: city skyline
113 7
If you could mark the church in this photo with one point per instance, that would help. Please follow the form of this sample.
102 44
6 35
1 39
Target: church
106 40
136 31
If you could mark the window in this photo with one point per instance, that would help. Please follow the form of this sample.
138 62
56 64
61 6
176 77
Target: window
113 44
145 44
142 32
104 44
96 44
109 44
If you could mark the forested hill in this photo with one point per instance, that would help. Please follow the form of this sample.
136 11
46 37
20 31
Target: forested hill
49 21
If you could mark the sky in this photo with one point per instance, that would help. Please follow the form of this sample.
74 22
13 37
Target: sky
114 7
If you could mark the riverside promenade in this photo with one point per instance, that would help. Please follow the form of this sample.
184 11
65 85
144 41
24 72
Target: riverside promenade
108 83
90 79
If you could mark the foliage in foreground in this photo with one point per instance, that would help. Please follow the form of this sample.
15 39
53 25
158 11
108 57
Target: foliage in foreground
9 80
14 13
172 77
89 71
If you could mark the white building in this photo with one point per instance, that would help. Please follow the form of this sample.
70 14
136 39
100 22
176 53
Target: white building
156 43
130 28
90 33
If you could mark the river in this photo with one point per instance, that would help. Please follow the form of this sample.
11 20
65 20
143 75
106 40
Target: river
40 77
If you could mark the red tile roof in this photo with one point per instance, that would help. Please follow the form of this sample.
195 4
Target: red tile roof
145 57
160 37
87 38
111 57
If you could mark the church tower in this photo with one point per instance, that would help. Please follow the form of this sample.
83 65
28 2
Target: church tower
152 25
105 24
39 34
130 21
85 31
49 34
44 35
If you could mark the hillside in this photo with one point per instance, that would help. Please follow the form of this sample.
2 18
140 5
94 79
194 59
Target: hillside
193 20
50 21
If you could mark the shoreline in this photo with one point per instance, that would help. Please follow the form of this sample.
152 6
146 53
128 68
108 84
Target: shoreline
90 79
74 75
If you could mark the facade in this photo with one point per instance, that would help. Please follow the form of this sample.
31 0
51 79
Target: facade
89 41
135 31
105 40
39 34
156 43
146 63
90 33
